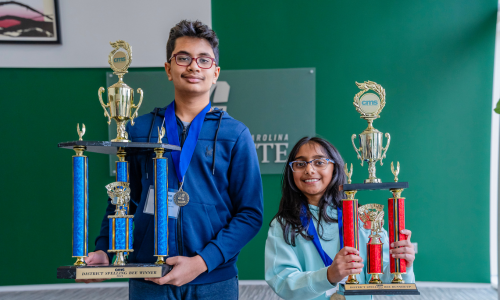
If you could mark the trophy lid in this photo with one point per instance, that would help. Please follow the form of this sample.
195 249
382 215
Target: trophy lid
369 104
120 58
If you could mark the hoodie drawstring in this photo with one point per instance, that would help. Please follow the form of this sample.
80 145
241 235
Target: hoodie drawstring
215 141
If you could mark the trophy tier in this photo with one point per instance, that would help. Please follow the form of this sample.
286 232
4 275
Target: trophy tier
374 186
110 271
106 147
378 289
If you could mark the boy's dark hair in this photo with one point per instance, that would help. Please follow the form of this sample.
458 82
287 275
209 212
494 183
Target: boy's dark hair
292 199
194 29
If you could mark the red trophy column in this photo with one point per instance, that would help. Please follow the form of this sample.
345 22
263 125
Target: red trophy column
350 226
396 224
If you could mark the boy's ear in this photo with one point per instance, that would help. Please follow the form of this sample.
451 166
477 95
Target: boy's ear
216 75
168 70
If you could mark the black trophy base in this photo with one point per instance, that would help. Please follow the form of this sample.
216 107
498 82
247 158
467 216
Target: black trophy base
378 289
110 271
374 186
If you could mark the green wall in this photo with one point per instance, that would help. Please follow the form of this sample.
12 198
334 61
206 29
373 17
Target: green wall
435 60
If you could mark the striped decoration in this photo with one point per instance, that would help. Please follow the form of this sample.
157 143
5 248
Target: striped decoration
350 223
396 224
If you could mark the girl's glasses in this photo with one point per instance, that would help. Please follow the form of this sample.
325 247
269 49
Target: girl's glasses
318 164
185 60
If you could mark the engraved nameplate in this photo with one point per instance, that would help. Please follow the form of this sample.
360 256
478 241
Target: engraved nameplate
118 272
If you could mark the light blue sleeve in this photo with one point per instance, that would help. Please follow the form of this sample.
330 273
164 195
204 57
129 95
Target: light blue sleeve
284 273
409 277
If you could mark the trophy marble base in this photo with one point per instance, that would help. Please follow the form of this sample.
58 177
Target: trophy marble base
378 289
110 271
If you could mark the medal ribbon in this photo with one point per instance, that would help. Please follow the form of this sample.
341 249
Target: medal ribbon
309 224
181 159
341 233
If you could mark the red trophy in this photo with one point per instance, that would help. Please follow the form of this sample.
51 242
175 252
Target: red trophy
369 103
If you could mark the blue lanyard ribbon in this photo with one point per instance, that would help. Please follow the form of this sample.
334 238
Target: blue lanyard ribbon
341 235
181 159
309 224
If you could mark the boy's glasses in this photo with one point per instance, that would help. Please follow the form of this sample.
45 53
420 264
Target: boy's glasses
318 164
185 60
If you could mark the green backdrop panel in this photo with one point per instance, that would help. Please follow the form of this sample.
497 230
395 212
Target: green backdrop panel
435 60
276 105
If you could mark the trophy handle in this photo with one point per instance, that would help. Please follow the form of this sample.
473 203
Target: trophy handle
356 148
106 114
134 115
388 136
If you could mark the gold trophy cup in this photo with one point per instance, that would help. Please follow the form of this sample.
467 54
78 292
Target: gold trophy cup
120 95
369 105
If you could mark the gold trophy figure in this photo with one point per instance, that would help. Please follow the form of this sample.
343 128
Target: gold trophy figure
369 105
120 223
120 95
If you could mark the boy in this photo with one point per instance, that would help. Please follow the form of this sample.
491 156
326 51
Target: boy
218 169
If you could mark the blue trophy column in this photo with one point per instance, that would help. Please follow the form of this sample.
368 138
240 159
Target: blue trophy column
161 206
122 172
80 205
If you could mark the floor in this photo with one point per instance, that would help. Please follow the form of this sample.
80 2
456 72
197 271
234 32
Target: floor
247 292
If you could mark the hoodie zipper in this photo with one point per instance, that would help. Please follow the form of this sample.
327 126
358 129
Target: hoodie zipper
179 218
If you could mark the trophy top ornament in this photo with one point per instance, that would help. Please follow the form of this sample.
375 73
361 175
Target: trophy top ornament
348 174
120 58
395 172
369 105
80 132
161 134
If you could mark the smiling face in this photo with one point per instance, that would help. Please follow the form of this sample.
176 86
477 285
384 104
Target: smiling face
310 181
192 79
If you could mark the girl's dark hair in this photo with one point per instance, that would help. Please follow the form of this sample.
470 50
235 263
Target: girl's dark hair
292 199
194 29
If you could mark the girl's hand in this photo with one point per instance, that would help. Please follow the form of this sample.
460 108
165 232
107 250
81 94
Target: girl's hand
404 249
346 262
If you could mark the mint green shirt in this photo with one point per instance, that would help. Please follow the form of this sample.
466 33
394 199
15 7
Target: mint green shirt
299 273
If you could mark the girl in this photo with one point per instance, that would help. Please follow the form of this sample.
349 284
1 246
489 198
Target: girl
295 269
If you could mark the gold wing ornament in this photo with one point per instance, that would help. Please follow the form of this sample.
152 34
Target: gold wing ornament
161 134
377 223
80 132
365 218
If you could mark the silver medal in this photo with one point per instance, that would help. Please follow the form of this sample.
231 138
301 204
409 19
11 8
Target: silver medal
337 296
181 198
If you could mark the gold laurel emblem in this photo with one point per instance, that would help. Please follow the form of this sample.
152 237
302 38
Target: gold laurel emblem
365 87
122 61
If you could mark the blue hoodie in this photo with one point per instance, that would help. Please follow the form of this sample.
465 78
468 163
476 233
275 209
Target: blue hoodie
225 195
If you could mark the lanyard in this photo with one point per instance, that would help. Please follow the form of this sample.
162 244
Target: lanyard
309 224
181 159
